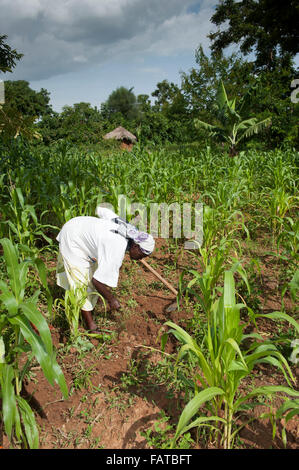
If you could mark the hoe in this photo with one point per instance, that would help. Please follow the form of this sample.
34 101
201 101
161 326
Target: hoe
173 306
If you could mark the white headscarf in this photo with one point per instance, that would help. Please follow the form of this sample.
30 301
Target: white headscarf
145 241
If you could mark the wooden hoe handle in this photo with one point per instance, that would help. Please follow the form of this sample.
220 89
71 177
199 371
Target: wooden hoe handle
170 287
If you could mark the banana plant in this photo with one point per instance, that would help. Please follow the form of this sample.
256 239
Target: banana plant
23 330
221 365
230 127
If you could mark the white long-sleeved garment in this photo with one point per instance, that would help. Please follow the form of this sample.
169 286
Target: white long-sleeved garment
84 241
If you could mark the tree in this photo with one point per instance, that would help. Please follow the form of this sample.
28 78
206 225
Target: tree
123 101
12 121
169 99
8 56
144 104
271 94
80 123
20 97
13 124
266 92
200 85
267 27
230 126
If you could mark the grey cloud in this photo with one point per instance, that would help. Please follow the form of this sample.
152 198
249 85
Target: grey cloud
56 40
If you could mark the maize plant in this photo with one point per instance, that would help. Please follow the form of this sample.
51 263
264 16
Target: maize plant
220 366
18 337
71 306
22 222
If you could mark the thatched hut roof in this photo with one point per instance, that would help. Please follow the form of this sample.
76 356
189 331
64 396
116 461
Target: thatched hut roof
120 133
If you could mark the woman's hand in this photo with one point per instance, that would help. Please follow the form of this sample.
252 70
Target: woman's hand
105 291
114 304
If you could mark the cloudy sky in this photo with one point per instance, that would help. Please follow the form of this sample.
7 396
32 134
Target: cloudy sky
82 50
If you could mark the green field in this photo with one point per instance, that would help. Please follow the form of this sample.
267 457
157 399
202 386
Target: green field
251 234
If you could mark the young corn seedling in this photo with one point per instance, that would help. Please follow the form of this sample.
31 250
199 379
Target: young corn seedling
71 306
289 239
281 203
220 366
17 336
23 224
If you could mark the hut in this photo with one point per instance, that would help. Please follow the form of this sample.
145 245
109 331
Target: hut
120 133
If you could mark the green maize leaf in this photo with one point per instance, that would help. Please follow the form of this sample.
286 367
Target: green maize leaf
183 336
13 227
265 356
287 405
267 390
8 299
201 359
2 351
49 240
28 420
31 210
260 351
36 344
20 196
59 377
252 335
183 350
237 366
266 346
235 346
23 270
12 265
276 363
294 285
9 406
210 344
42 271
34 316
281 316
26 367
46 360
229 290
284 437
193 406
164 339
291 414
197 423
202 420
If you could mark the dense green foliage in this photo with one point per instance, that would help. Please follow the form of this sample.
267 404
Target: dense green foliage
121 101
266 93
171 117
72 181
268 26
8 56
20 97
231 128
